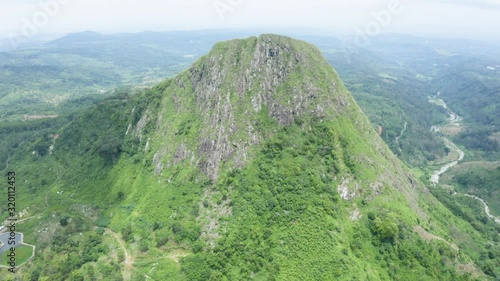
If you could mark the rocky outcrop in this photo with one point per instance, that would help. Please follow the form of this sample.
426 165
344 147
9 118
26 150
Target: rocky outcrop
274 75
217 112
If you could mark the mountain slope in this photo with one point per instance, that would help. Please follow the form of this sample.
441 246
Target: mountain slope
255 163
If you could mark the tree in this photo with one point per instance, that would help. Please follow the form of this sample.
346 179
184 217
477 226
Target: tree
385 229
76 275
35 275
127 233
161 237
196 268
120 196
109 149
156 226
143 246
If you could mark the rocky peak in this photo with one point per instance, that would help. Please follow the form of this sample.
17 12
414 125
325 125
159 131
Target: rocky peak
238 79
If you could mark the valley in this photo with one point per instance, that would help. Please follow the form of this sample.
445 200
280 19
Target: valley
454 120
254 163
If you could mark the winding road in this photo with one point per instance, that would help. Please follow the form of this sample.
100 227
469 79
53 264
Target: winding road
19 238
454 120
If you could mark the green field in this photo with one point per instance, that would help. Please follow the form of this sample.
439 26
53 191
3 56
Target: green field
23 254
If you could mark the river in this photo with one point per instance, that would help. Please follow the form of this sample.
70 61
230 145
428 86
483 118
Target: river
454 119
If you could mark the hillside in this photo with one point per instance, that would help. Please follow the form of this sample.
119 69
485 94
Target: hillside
255 163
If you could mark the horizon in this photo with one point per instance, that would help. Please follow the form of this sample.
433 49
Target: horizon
28 19
244 32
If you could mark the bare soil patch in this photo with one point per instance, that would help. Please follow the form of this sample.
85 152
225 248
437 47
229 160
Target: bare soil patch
427 236
451 130
37 117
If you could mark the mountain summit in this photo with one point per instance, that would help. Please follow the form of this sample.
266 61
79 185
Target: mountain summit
254 164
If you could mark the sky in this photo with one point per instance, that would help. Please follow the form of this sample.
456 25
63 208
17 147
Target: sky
451 18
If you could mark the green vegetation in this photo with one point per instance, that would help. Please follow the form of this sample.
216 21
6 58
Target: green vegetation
486 249
23 254
390 95
289 224
75 71
256 163
480 141
480 181
386 80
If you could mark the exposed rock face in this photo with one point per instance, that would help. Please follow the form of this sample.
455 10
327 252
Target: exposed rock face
275 77
213 115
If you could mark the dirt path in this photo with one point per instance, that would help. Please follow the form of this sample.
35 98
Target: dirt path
38 117
402 132
177 255
33 247
129 260
7 162
427 236
25 219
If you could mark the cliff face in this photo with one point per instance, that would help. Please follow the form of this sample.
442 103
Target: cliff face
239 79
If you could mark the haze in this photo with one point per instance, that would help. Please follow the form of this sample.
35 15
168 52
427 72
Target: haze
463 18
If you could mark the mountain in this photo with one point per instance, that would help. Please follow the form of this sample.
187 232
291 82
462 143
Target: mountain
140 50
70 72
255 163
78 38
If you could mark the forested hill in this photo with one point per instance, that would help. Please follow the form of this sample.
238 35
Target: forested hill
254 163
